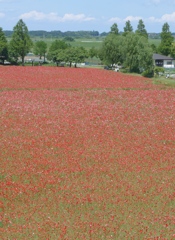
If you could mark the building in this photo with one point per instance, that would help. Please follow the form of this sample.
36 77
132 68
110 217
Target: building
163 61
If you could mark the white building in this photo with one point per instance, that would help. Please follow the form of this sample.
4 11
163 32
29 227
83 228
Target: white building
163 61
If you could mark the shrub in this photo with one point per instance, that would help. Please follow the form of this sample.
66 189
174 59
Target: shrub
159 70
148 73
125 70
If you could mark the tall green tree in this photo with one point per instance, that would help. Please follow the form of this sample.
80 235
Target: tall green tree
166 40
141 29
3 46
114 29
138 53
128 28
21 42
111 50
40 48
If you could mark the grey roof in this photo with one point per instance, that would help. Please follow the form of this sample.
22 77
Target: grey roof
157 56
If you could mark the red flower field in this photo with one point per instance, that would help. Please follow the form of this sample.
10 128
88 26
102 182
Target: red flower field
85 154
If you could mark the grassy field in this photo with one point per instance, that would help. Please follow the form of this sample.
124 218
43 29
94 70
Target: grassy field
164 81
87 43
85 154
80 42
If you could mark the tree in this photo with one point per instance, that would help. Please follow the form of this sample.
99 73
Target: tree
20 43
128 28
74 55
166 40
141 29
40 48
173 50
138 53
54 49
81 55
154 48
111 50
114 29
3 46
61 56
93 52
69 39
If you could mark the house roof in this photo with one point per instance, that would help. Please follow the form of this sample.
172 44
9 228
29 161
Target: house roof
157 56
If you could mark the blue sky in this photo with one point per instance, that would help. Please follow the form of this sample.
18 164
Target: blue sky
98 15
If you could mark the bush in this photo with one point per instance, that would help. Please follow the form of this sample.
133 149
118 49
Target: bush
124 70
148 73
159 70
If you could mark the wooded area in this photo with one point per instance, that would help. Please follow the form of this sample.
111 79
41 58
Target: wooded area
74 34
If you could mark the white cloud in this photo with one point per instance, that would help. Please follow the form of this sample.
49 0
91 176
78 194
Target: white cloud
115 19
130 18
164 18
168 17
54 17
78 17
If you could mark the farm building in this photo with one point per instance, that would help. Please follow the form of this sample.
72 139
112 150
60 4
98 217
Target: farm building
163 61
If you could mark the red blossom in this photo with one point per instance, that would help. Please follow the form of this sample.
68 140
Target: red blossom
85 154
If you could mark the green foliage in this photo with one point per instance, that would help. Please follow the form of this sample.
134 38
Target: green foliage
137 52
173 50
72 55
55 48
58 44
141 29
69 39
114 29
3 46
93 52
154 48
111 51
40 48
21 42
166 40
128 28
60 56
148 73
132 51
158 70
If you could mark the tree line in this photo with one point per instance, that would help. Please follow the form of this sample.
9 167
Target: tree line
73 34
131 49
60 34
21 44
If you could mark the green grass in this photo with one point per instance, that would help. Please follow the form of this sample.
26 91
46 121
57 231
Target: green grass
87 44
78 42
156 42
167 82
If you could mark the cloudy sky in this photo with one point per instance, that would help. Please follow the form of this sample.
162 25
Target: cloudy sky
98 15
